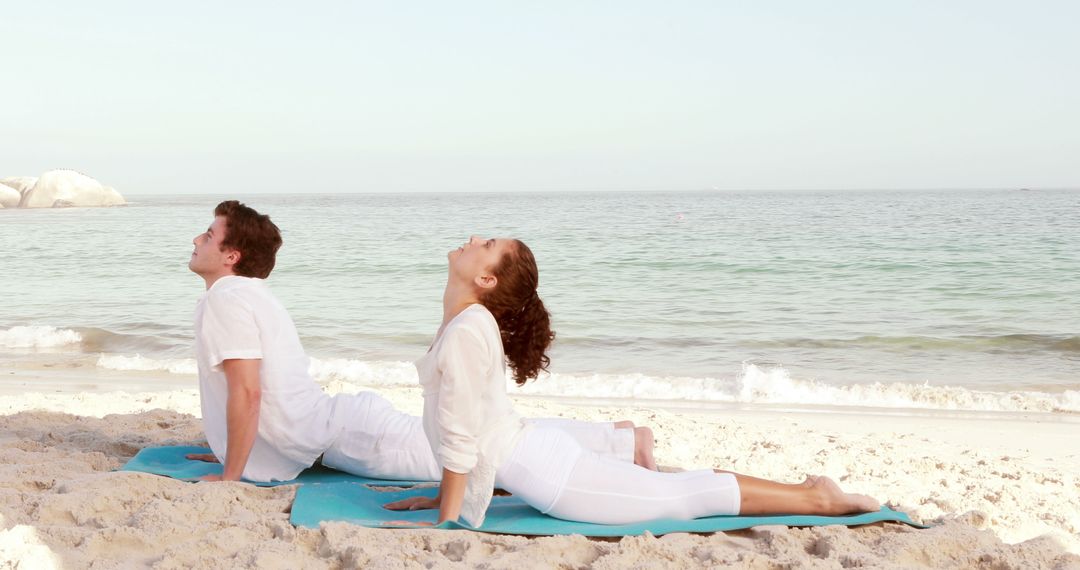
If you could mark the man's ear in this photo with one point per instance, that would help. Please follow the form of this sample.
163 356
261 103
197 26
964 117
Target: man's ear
486 281
232 257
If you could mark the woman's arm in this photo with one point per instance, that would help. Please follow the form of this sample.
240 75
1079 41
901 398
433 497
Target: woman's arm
452 491
458 414
448 501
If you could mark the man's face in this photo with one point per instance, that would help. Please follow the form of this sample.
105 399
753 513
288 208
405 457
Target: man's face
208 260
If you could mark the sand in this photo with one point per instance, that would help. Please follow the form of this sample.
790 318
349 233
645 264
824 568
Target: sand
1002 491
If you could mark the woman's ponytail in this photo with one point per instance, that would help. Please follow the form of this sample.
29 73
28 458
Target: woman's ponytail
524 322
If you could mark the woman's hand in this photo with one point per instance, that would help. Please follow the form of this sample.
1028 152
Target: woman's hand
413 504
408 523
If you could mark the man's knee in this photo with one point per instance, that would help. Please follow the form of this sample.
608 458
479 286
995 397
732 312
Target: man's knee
624 424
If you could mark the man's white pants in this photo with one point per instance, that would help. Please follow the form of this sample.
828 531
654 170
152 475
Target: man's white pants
380 442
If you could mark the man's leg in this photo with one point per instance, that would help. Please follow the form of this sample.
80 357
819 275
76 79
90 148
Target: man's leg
619 440
380 442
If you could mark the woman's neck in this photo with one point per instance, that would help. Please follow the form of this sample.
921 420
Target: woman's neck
456 298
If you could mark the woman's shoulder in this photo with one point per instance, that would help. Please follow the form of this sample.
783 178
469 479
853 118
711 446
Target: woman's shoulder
477 317
476 320
471 333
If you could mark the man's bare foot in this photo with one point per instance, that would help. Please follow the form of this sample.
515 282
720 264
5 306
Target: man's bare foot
836 502
207 457
643 444
643 448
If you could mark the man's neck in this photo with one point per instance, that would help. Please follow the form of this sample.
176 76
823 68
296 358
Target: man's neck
210 280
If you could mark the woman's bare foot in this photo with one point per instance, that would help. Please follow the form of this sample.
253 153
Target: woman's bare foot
835 501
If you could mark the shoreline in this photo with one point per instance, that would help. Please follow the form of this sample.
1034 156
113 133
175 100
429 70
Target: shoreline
75 374
1004 489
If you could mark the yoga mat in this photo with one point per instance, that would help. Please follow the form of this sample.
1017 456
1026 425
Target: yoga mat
361 504
329 495
170 462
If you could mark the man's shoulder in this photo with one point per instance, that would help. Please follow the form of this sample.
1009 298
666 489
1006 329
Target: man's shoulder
236 291
236 283
236 286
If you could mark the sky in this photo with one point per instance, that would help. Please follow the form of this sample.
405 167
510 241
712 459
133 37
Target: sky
328 97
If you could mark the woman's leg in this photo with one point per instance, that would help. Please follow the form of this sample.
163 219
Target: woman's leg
601 491
815 496
552 473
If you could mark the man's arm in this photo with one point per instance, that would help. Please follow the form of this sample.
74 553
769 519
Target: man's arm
241 415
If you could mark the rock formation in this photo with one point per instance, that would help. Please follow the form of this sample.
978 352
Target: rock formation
63 188
9 197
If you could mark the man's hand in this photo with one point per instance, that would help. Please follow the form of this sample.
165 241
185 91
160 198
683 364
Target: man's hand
413 504
207 457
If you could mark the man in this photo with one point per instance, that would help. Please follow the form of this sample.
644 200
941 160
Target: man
265 418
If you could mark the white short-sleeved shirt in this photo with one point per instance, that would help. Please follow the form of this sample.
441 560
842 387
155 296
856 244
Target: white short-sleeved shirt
239 318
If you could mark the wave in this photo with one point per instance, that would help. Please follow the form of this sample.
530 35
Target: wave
754 385
759 385
142 363
85 339
37 336
102 340
989 343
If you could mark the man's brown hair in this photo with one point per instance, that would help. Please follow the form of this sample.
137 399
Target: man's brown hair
253 235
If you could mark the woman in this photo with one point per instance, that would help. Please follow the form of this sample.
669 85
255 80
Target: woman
492 315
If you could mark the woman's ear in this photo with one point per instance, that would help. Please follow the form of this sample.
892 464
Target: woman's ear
486 281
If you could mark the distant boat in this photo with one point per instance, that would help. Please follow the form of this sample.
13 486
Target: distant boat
1025 189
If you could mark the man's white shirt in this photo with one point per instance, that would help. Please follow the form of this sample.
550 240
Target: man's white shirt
239 318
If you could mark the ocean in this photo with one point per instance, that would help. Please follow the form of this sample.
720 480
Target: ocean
913 300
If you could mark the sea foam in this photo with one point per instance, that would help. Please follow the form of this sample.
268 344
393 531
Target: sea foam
754 385
758 385
38 336
142 363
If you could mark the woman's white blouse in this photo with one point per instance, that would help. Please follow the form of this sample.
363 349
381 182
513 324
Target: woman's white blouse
469 420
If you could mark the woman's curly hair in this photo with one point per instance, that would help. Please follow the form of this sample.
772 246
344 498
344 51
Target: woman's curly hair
524 322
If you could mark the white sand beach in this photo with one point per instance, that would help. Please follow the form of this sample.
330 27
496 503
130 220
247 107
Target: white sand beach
1001 491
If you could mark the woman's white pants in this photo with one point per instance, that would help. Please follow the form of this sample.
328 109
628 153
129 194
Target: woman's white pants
551 472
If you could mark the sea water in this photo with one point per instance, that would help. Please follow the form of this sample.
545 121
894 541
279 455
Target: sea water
919 299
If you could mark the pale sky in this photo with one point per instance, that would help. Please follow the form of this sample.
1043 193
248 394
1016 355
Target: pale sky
242 97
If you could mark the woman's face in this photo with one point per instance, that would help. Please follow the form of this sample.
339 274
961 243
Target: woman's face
476 258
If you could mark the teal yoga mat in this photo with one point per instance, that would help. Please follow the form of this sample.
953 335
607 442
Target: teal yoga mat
170 462
329 495
361 504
